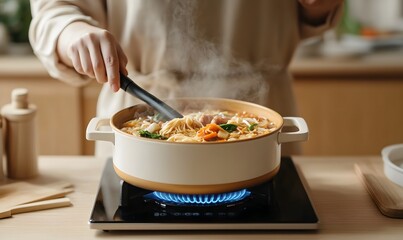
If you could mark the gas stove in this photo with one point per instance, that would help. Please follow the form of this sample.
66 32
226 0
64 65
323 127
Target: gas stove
279 204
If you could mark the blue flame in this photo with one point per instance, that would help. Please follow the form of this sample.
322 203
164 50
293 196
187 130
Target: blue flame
202 199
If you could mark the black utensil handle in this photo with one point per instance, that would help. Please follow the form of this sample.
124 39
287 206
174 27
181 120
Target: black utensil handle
132 88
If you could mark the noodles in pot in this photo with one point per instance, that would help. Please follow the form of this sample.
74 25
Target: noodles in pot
207 126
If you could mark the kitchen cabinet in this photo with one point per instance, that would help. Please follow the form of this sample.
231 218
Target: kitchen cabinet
353 106
63 111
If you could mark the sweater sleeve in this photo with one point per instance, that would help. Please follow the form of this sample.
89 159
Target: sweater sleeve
49 18
307 30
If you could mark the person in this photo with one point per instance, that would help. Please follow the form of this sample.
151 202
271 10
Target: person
211 48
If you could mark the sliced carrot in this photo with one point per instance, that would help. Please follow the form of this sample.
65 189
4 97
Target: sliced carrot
202 131
209 132
213 127
210 136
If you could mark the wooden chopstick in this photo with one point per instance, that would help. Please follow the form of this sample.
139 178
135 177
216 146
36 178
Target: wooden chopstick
36 206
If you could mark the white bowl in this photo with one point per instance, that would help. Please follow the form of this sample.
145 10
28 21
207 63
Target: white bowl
393 163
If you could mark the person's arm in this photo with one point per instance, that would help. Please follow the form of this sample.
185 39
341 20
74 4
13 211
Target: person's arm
53 31
315 12
317 16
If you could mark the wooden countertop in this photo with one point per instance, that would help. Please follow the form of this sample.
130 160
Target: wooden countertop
377 64
344 207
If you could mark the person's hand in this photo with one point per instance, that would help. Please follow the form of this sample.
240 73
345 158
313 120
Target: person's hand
315 11
93 52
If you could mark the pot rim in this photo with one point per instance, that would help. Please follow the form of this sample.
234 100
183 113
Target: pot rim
117 130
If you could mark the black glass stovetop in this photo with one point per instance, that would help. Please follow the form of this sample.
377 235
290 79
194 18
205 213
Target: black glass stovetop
281 203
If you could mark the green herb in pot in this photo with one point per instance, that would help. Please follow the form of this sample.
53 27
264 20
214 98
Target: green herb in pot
147 134
228 127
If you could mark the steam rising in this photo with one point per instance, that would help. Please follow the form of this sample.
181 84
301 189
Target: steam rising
208 72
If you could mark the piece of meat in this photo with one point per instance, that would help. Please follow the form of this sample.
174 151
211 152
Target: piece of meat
219 120
206 119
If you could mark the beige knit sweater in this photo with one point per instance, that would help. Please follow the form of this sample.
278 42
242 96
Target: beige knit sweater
222 48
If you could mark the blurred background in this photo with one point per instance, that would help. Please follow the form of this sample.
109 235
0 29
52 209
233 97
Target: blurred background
15 16
348 83
366 26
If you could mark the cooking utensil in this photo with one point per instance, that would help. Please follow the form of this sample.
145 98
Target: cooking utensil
387 195
17 193
197 168
35 206
130 87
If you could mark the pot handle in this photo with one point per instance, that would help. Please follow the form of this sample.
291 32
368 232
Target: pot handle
300 135
93 132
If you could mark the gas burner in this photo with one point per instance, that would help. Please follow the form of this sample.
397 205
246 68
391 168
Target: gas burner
281 203
199 199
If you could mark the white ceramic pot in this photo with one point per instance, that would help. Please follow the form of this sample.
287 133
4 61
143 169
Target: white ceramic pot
197 168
